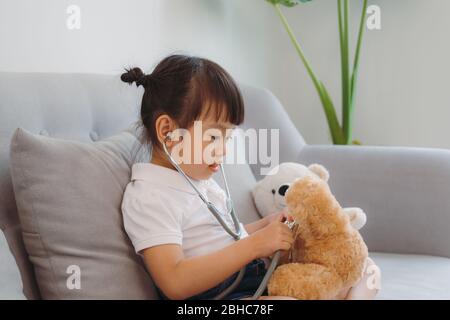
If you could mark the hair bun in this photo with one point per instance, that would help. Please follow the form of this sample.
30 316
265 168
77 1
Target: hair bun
134 75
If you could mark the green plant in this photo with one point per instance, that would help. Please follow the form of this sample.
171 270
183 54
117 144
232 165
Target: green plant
340 134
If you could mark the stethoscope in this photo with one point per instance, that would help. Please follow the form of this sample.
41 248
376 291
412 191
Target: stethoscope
236 234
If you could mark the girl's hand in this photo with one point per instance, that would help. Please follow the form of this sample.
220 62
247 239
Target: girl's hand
277 216
273 237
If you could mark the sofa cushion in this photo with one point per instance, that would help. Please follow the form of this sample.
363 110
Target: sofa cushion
409 276
68 195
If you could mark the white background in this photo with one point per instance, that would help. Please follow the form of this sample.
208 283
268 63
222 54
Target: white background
403 95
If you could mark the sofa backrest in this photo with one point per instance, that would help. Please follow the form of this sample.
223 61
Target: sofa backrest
263 111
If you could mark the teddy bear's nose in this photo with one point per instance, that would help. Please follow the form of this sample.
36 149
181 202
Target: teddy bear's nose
282 189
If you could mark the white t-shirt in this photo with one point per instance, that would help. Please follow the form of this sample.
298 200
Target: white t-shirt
160 207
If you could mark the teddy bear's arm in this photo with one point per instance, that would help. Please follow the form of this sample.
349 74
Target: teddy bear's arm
290 256
285 257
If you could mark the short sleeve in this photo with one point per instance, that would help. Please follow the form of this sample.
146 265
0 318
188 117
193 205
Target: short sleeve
149 221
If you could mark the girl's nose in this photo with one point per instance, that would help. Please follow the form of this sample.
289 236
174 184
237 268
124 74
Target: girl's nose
221 149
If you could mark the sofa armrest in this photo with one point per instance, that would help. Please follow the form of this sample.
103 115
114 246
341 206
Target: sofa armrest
10 281
405 193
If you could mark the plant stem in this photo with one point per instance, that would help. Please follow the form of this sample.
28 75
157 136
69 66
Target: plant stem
356 64
343 5
360 37
330 112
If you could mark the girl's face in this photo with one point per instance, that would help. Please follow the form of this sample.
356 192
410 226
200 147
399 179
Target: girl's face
202 148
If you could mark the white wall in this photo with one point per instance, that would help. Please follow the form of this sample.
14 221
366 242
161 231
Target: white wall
402 99
119 33
403 95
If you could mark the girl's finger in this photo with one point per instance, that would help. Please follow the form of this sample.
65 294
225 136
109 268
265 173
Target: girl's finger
289 236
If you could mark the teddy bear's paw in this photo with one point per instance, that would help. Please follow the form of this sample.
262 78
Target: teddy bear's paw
304 282
357 217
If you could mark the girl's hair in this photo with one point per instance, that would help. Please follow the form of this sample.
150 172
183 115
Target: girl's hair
181 87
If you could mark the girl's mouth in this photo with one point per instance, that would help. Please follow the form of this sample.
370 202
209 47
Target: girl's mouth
214 167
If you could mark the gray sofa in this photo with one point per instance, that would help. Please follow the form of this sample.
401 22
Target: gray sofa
404 191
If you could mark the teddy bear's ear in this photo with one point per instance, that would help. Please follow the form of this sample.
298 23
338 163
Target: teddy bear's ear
320 171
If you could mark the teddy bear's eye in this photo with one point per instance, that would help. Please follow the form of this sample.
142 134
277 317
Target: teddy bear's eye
273 191
282 190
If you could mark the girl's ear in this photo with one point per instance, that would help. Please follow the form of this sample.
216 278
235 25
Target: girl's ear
164 125
320 171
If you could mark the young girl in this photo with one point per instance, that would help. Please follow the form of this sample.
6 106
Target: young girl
185 249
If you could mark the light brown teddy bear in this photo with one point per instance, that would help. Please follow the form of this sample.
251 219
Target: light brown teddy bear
329 254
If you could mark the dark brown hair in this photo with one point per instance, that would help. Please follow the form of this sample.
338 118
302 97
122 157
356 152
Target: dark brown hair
182 86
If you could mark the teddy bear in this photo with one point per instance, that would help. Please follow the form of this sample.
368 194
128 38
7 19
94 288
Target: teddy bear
329 254
269 193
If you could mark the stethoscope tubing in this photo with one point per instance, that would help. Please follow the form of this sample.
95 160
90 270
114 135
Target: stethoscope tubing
235 234
229 203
